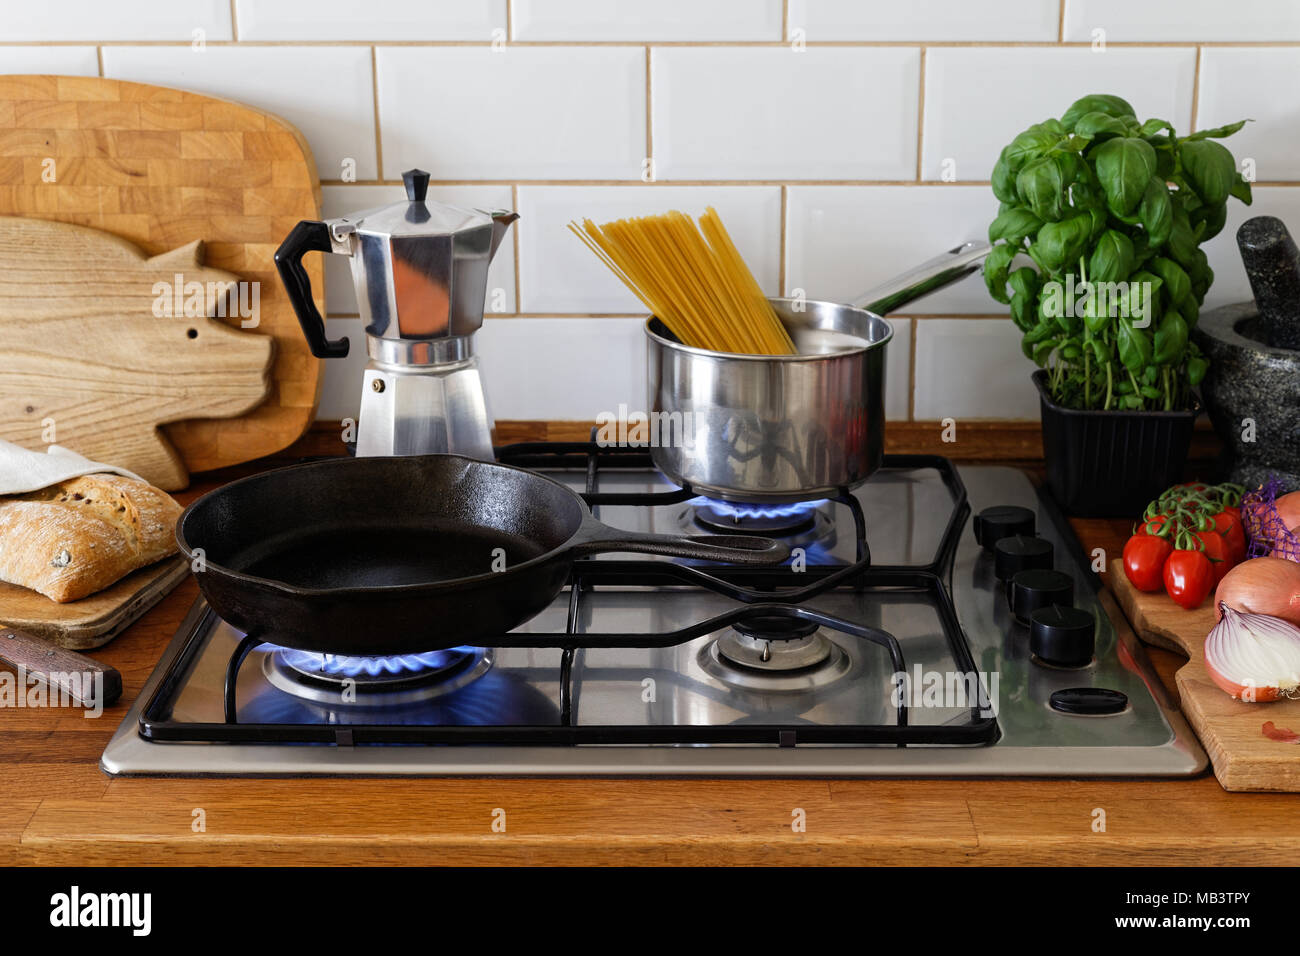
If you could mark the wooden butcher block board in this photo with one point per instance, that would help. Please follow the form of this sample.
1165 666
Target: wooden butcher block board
90 365
94 620
1229 730
163 168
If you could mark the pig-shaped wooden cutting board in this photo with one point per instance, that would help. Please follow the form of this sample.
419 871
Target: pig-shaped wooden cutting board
102 344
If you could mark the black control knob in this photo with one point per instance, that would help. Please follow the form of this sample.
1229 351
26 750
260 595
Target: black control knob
1093 701
1062 636
1039 587
1020 553
1002 521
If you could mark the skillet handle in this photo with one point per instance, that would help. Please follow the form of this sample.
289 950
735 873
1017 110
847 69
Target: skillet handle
598 538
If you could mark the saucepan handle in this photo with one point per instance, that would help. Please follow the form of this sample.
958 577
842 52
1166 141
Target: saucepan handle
597 538
929 276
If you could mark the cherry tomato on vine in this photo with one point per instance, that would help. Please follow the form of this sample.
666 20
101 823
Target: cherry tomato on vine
1144 561
1188 578
1228 524
1219 553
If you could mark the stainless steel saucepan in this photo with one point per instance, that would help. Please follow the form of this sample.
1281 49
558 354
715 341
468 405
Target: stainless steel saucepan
763 428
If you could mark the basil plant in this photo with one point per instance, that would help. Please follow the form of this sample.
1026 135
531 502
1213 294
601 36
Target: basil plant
1112 212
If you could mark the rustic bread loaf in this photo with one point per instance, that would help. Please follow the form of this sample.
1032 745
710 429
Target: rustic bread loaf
79 536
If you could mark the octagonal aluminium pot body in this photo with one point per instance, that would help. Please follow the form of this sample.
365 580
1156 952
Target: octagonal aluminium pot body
773 428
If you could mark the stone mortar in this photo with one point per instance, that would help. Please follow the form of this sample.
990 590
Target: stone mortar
1250 380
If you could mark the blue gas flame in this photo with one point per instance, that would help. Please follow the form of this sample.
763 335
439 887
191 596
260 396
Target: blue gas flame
741 511
335 665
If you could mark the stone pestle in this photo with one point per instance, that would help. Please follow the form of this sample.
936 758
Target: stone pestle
1273 267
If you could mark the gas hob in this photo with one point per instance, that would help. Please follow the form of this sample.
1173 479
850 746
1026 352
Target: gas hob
885 647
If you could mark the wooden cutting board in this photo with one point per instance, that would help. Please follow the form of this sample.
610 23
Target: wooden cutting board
89 364
95 620
163 168
1229 730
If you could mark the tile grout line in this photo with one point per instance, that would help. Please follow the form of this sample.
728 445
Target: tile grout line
1060 22
920 112
684 182
379 137
234 22
99 58
510 33
781 275
649 115
725 44
785 21
1196 90
514 205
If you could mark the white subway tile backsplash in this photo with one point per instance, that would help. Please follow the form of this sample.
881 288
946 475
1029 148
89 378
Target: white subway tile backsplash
341 378
844 240
519 112
978 99
562 369
97 21
340 296
1173 20
898 369
639 21
1259 84
971 368
938 20
65 60
328 96
373 20
557 273
824 113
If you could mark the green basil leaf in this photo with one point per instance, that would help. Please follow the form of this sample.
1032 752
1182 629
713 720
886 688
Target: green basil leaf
1157 211
1177 284
1096 103
1004 180
1153 126
1061 243
1240 190
1041 185
1190 310
995 271
1197 366
1112 257
1170 340
1124 167
1098 350
1134 346
1210 220
1097 125
1219 132
1041 354
1014 225
1181 246
1040 332
1030 145
1150 392
1024 282
1209 168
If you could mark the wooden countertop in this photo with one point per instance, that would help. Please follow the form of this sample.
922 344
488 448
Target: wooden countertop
57 807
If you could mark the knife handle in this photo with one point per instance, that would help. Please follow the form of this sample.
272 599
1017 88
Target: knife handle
60 669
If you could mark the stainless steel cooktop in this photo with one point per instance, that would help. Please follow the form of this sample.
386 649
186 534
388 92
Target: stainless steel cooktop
797 696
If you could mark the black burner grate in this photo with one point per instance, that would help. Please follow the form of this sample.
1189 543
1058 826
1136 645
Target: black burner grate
764 596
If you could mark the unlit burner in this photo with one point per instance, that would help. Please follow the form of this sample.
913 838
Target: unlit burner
375 681
730 517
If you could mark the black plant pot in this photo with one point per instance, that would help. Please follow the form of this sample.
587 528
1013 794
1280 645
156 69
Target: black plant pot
1111 464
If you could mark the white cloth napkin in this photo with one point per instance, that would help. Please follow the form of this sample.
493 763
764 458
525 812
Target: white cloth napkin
22 469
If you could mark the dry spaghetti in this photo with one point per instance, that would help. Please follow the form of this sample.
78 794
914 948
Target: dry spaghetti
692 278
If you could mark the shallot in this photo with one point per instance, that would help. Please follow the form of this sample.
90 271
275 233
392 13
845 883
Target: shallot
1254 657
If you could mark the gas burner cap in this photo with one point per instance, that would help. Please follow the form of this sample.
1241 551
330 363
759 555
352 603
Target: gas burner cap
774 652
726 517
375 681
776 627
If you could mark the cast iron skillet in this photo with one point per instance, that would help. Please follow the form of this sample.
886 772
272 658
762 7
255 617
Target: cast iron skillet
382 556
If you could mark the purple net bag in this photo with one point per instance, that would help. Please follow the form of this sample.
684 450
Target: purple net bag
1267 534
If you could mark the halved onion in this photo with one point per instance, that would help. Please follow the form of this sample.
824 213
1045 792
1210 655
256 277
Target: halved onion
1254 657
